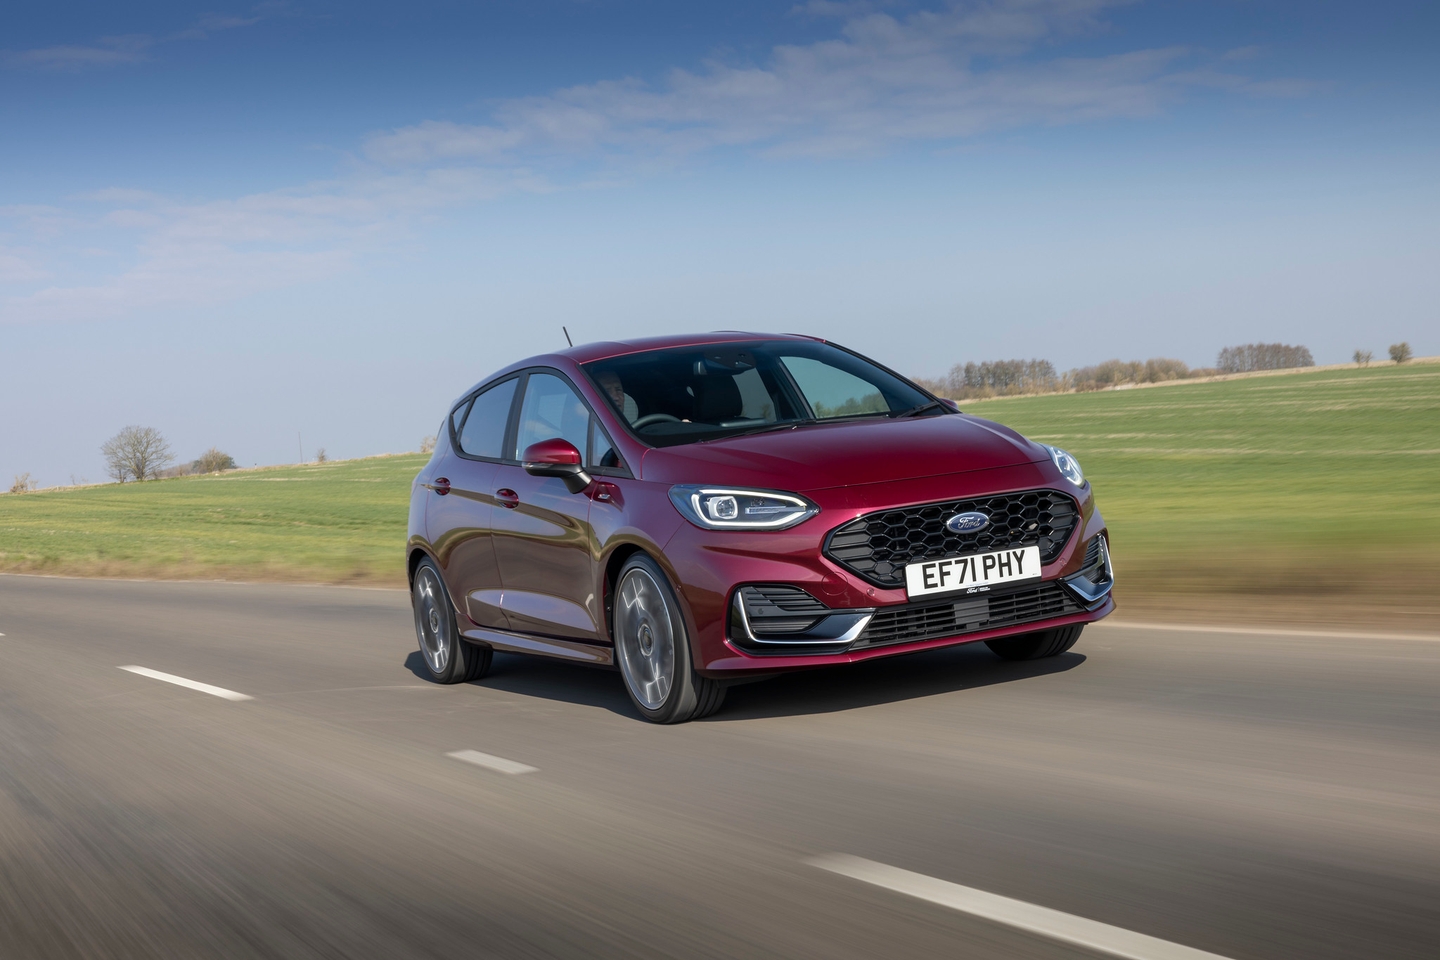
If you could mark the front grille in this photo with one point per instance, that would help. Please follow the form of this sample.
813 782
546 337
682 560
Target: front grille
877 546
930 621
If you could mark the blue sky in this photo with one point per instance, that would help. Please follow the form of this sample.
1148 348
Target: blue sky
237 224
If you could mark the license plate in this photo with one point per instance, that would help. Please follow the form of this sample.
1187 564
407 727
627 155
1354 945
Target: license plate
973 574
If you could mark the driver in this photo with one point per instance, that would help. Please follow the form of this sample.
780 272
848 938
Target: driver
624 403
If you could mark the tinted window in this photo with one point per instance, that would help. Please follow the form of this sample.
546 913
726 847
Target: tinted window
483 434
699 393
551 409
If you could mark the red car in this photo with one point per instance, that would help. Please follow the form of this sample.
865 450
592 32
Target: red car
700 509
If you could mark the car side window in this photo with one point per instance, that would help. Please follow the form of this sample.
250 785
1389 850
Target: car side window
551 409
457 419
483 434
603 454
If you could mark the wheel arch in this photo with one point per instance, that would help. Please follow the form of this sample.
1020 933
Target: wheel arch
616 559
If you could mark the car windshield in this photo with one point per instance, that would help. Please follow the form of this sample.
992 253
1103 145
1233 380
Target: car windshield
690 394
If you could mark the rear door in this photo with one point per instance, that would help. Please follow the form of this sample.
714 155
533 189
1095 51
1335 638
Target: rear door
459 522
542 536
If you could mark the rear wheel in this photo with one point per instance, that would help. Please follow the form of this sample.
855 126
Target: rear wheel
449 658
1036 646
652 648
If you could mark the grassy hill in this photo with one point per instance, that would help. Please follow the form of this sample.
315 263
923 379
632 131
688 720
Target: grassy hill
1318 488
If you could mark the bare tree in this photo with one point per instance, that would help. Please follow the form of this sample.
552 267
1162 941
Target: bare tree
214 460
320 455
23 483
1363 358
1400 352
427 444
138 453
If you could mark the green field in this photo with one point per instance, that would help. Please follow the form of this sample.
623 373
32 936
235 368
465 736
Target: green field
1318 485
325 523
1315 484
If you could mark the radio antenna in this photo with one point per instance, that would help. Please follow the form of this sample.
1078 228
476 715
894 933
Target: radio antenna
567 336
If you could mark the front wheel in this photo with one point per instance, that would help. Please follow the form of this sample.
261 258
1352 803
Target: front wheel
653 649
449 658
1036 646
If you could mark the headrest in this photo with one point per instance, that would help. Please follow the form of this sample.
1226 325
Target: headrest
717 398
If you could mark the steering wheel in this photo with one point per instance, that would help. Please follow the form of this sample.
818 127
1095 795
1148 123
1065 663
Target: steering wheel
650 418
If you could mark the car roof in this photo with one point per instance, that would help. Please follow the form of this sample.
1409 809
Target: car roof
604 349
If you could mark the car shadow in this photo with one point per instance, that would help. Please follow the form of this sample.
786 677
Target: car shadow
547 679
818 690
889 680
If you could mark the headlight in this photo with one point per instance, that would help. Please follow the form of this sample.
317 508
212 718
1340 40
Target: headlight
1068 466
732 508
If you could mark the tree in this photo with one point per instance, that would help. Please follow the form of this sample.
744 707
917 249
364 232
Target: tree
137 453
1263 356
214 460
1363 358
320 455
23 483
427 444
1400 352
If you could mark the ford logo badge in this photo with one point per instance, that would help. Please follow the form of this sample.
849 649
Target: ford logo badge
972 522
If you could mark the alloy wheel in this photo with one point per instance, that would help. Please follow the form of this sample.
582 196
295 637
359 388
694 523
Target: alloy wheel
432 627
645 636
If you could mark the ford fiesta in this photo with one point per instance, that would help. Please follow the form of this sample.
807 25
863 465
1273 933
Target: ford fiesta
698 510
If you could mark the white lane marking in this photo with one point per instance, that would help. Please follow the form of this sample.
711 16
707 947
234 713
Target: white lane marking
494 763
192 684
1270 631
1100 937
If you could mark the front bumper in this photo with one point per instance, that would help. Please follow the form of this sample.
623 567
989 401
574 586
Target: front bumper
767 622
850 619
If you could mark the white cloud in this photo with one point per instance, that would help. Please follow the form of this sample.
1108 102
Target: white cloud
205 253
931 76
126 49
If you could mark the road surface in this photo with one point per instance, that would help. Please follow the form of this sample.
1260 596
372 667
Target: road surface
1252 796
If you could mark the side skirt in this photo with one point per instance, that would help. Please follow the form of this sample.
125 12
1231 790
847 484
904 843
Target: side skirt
542 646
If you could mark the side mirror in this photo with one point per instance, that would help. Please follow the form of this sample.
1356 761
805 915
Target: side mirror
556 458
950 405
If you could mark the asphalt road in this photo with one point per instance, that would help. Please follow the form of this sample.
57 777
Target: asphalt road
1254 796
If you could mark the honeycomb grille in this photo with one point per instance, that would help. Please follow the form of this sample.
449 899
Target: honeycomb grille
877 546
931 621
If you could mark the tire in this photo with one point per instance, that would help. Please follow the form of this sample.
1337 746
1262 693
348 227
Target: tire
449 657
652 648
1036 646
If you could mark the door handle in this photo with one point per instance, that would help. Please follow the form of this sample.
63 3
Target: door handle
507 498
440 485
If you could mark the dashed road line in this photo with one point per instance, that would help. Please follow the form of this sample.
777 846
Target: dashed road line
493 763
192 684
1065 927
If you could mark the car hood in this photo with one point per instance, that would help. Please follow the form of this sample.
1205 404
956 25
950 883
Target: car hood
823 455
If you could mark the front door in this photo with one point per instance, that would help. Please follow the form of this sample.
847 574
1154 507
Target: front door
543 542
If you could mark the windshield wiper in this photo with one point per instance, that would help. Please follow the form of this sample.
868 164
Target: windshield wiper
748 431
916 411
